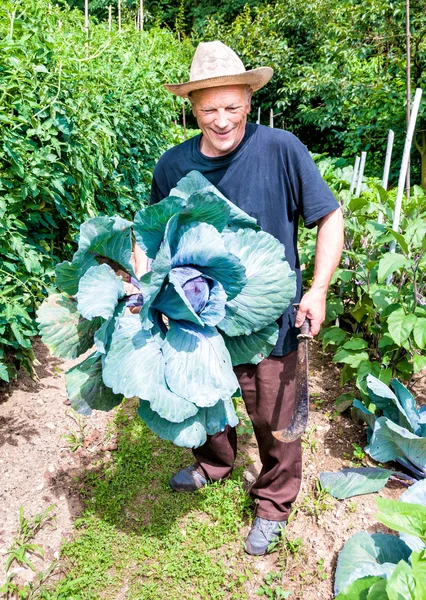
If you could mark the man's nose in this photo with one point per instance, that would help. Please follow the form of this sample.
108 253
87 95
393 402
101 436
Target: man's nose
221 118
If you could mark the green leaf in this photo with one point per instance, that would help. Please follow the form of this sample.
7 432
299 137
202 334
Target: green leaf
416 494
150 223
135 366
419 333
343 402
418 562
359 589
195 182
198 365
400 239
401 584
378 591
419 363
99 291
355 344
68 274
368 554
353 359
4 375
333 336
400 325
402 516
63 329
354 481
253 348
270 284
390 441
86 389
385 399
389 263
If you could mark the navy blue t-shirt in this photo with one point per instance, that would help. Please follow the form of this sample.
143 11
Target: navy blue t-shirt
272 177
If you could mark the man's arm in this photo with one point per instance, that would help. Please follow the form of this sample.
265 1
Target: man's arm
329 246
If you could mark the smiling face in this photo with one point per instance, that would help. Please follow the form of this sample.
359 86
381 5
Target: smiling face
221 115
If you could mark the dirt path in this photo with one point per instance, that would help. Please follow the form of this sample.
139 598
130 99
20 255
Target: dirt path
38 470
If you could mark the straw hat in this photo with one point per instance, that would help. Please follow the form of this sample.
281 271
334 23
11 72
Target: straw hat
214 65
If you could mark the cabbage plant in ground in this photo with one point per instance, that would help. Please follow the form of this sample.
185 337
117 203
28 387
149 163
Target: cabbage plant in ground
386 567
216 287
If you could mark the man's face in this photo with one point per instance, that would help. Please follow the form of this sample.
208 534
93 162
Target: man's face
221 115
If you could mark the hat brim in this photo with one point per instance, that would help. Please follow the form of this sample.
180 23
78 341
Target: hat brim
256 79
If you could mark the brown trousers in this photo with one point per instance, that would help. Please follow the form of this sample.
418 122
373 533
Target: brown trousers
268 393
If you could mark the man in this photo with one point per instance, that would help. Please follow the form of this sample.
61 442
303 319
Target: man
269 174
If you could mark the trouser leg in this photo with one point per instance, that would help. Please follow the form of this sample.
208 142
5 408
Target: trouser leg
216 457
268 392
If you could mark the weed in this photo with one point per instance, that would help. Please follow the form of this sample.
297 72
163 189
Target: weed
310 576
352 506
270 589
316 502
76 438
245 426
308 440
317 400
21 545
358 453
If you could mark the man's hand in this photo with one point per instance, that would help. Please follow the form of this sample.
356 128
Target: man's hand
328 251
312 307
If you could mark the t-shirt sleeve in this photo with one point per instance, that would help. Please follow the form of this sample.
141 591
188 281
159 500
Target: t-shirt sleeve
313 196
158 184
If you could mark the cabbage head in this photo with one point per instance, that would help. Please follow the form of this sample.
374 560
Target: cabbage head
216 287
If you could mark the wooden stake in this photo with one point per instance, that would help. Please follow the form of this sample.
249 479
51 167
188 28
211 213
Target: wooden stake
354 175
408 54
404 164
109 18
119 16
386 168
361 174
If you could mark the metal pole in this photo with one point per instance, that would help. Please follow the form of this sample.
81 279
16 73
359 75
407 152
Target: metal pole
408 50
361 174
119 16
404 164
354 175
258 116
271 119
141 15
109 18
385 177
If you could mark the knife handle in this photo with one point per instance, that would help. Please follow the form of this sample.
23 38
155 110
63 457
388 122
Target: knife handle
304 330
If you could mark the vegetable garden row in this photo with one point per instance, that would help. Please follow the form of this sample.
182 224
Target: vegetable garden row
82 125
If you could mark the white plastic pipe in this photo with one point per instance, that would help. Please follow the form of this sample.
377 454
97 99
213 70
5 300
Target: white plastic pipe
354 175
258 116
385 178
360 174
404 164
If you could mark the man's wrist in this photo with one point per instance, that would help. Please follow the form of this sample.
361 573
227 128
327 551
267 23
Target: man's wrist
319 288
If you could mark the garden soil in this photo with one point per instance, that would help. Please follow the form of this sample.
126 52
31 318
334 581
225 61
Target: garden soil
39 470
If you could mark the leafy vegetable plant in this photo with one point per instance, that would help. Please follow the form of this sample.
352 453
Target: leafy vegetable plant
384 566
217 285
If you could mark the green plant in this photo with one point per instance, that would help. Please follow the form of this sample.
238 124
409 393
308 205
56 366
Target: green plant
385 564
271 589
21 545
80 135
76 438
309 442
358 453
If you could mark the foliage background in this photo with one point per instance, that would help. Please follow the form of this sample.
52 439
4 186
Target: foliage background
81 128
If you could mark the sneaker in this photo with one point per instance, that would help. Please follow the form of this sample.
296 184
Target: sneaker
262 534
187 480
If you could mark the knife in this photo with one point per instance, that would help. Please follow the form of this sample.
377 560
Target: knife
299 418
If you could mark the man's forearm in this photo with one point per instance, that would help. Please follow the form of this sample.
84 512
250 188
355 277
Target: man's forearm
329 248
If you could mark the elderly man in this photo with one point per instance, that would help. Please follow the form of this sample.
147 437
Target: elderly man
269 174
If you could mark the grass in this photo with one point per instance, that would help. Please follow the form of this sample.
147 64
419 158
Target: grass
139 538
